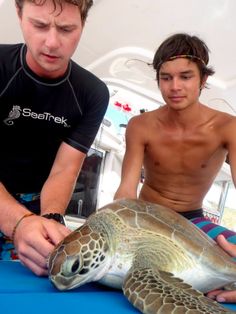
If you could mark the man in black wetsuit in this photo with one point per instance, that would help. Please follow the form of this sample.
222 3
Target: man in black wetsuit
50 112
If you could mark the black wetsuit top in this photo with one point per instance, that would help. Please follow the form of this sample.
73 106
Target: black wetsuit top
38 114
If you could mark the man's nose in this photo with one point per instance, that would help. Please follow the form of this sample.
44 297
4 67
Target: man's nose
52 40
175 83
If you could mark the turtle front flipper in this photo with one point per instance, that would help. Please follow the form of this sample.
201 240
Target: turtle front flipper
159 292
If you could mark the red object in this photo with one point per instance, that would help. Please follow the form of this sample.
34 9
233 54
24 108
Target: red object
126 107
118 104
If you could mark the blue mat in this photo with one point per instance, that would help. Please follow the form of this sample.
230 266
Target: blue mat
22 292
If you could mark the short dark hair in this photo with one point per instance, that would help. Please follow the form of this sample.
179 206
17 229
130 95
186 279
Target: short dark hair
83 5
182 44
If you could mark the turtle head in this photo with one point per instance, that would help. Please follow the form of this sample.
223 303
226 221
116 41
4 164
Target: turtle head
83 256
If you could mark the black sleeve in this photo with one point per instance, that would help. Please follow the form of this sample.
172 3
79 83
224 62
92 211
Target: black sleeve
82 136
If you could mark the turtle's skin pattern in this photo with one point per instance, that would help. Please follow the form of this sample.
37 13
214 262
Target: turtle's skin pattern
162 261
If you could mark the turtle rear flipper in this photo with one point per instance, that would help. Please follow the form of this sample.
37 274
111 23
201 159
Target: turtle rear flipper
159 292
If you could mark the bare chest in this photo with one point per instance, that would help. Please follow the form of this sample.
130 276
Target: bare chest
185 152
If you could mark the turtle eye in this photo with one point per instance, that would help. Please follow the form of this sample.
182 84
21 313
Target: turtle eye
75 266
72 265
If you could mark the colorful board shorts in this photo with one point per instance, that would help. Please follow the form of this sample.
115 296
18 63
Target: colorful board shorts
213 230
7 249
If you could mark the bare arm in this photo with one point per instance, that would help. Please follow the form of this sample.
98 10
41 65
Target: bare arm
32 234
230 248
10 211
230 139
58 188
132 162
35 236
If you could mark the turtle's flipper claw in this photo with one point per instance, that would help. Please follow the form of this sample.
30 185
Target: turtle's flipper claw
160 292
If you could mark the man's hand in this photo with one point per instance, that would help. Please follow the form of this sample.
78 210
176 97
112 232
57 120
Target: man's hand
35 239
224 295
230 248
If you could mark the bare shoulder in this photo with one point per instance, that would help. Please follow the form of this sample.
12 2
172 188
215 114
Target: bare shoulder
141 127
223 123
144 120
220 117
228 127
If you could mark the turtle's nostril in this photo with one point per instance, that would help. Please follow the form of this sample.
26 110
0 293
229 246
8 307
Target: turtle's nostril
84 271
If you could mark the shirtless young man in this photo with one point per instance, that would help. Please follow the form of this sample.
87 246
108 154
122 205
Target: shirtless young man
183 144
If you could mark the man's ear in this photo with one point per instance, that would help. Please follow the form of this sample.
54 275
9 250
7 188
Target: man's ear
203 82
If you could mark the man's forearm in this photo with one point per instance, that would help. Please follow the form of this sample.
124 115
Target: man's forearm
123 192
56 194
10 211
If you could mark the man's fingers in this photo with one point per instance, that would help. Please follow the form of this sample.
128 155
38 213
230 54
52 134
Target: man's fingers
35 242
227 296
57 234
35 268
230 248
213 294
223 296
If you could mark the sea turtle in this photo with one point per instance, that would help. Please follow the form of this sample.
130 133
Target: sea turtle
160 259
